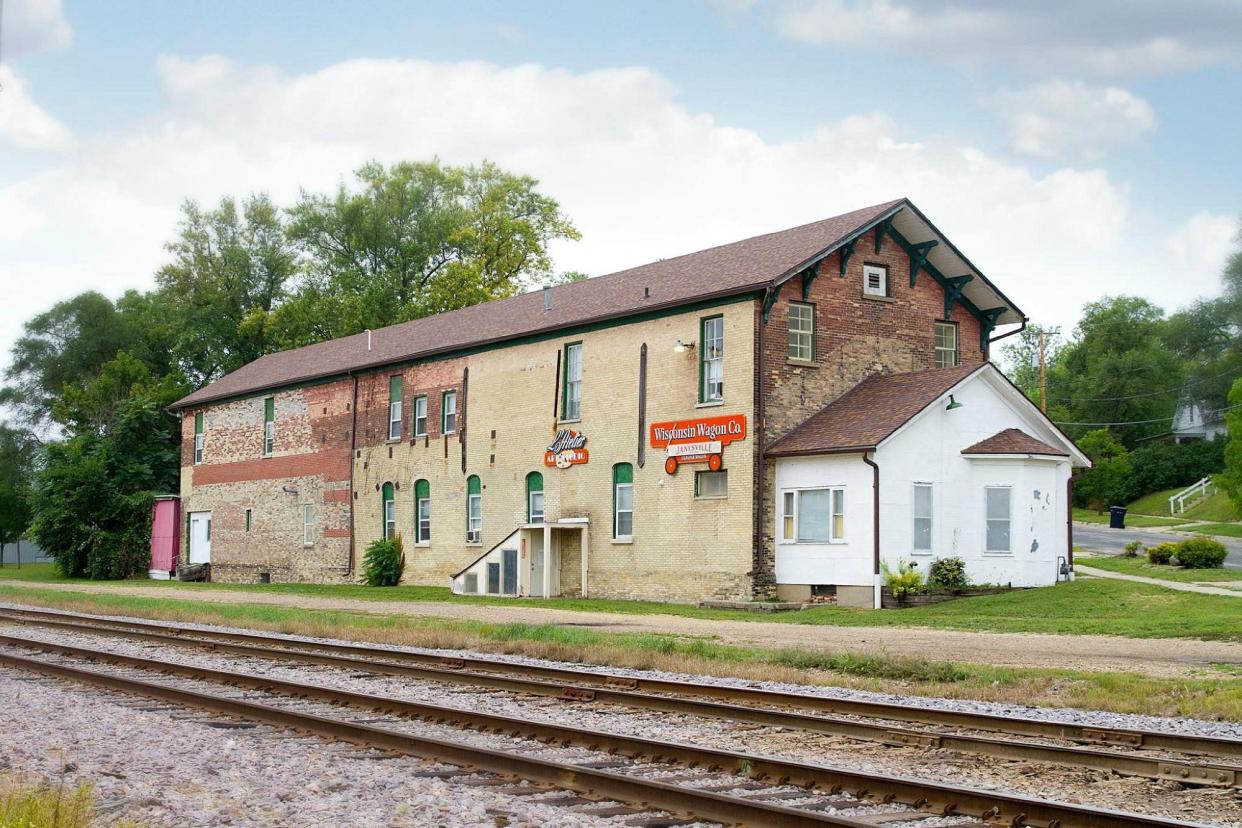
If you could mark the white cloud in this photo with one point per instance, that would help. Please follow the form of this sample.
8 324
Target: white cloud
1106 38
1198 250
23 124
1063 119
34 26
641 175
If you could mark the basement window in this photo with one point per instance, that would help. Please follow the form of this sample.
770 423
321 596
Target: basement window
875 280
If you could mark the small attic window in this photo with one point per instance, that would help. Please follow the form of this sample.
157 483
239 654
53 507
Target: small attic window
875 280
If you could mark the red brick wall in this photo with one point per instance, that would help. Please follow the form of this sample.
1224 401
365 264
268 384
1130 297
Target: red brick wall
430 379
855 336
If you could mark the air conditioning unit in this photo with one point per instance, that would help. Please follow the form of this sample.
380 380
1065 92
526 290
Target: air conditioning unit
474 536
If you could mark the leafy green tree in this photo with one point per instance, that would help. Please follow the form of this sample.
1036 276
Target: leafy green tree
413 240
17 455
1116 370
1020 357
1110 480
230 268
1231 479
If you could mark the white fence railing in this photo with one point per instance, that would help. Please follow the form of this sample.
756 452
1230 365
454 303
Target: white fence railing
1195 491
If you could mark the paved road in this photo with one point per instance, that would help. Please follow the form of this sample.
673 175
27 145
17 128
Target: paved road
1113 541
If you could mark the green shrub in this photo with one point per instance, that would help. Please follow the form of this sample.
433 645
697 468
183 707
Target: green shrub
948 574
1201 552
903 582
1161 553
1132 548
383 562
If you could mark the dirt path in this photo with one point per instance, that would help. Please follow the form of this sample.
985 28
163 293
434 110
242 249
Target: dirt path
1152 657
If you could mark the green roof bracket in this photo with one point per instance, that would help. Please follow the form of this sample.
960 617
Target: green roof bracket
769 299
844 252
881 230
918 258
987 323
809 275
953 287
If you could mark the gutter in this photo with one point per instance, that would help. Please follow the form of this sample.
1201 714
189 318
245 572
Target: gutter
875 521
1016 330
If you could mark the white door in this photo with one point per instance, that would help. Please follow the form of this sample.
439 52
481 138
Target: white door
200 537
536 564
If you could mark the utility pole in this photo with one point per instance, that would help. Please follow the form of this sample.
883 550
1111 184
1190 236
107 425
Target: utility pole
1043 334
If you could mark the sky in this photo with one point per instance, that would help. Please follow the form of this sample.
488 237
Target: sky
1071 150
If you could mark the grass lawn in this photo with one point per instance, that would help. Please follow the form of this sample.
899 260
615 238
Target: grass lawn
1145 521
1087 606
1217 508
1217 694
1140 566
1232 530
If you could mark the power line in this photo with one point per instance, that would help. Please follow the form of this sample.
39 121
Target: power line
1145 422
1150 393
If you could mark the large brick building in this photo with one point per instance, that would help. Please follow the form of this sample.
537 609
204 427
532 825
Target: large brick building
607 437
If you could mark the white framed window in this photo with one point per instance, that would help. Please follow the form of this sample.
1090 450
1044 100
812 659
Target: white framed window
474 519
711 368
875 280
813 515
623 501
269 426
571 408
308 524
424 520
709 484
946 344
998 502
198 448
448 413
801 331
394 420
420 416
922 510
536 507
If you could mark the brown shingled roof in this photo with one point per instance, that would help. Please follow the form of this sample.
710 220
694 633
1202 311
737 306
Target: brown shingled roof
730 269
1013 441
863 417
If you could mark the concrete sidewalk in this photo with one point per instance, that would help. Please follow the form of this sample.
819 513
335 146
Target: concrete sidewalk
1084 569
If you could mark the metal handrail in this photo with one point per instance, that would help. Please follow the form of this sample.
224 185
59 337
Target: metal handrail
1177 503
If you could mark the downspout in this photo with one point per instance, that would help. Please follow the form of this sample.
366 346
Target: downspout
759 510
1069 523
875 528
353 448
1016 330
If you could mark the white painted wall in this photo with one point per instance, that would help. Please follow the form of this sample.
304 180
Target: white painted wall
928 450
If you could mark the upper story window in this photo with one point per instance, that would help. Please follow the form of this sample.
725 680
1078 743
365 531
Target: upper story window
534 498
448 412
198 438
813 515
269 426
623 501
571 404
389 514
947 354
394 408
801 331
422 511
420 416
875 280
711 359
474 510
922 518
997 504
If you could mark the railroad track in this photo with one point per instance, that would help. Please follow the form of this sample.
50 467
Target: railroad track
593 771
1200 760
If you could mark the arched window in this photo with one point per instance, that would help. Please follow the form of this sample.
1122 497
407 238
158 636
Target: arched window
534 498
622 501
422 511
389 513
474 510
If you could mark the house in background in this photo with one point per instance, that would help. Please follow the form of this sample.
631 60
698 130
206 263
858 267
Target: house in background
1191 423
640 434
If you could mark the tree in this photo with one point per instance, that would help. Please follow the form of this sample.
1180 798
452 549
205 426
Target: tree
1116 370
17 454
1109 481
1231 479
413 240
230 268
1021 359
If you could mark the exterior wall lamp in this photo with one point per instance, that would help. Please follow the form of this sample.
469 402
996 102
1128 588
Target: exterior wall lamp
682 347
952 404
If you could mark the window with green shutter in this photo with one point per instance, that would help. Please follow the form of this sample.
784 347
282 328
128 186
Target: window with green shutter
198 438
269 426
422 511
389 513
571 392
474 509
394 408
622 501
711 359
534 498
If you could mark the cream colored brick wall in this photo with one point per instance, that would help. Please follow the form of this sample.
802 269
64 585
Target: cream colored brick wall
683 548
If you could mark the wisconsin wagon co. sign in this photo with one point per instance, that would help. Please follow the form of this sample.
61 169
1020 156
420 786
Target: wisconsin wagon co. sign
697 441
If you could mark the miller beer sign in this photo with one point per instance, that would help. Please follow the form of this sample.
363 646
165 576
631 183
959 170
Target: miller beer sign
697 441
566 449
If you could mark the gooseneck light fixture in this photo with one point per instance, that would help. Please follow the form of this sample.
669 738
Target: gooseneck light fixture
952 404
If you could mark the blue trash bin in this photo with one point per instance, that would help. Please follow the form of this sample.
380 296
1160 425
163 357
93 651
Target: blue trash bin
1116 517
